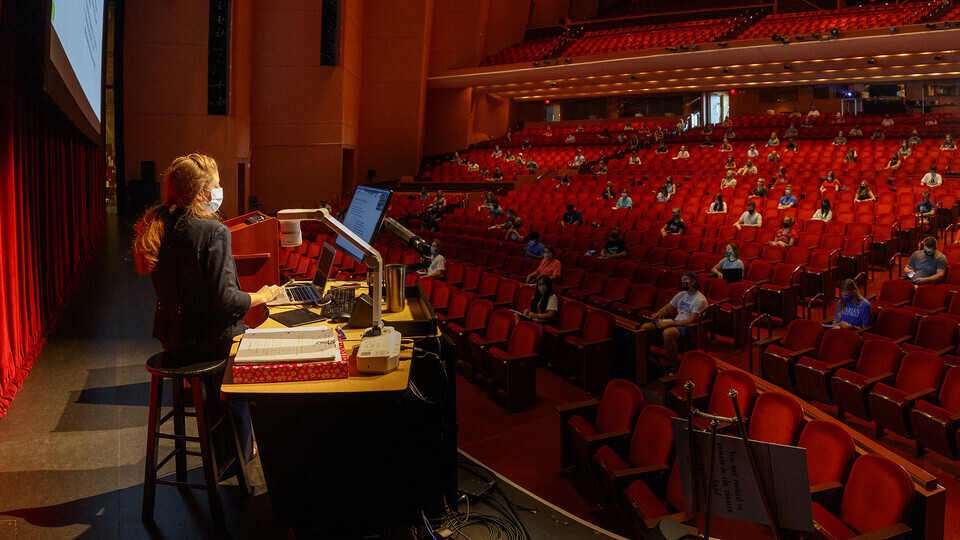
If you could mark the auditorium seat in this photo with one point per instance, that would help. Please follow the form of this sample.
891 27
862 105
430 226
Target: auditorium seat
938 334
732 316
457 309
894 324
879 361
893 292
513 369
930 299
697 367
647 457
838 348
478 313
919 376
569 322
615 290
585 424
496 333
778 355
776 418
934 426
779 297
587 357
720 403
830 451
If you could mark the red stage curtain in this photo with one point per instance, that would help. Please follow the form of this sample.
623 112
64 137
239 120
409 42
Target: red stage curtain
51 200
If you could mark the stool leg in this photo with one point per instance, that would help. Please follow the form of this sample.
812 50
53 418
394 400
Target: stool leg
241 467
179 428
208 456
150 469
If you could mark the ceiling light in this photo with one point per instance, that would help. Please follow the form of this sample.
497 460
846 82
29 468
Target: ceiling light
535 64
726 70
815 35
722 44
786 66
938 58
893 29
834 32
775 37
871 61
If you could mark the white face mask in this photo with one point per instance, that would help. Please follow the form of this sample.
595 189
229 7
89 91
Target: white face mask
216 199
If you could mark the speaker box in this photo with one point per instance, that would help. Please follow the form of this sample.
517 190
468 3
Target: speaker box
330 33
362 315
371 174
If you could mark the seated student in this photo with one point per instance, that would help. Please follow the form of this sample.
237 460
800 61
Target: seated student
730 163
533 248
851 156
707 143
773 156
473 166
877 134
773 140
682 154
853 311
781 175
572 216
578 159
887 121
570 138
830 182
608 193
497 174
752 152
730 181
792 145
497 152
855 131
664 194
601 167
948 143
662 148
432 218
438 264
825 213
487 202
634 159
905 150
424 195
674 225
688 304
932 178
750 218
708 129
725 146
864 193
543 306
839 140
925 209
549 267
838 118
760 190
717 206
748 168
509 156
894 162
671 187
788 200
814 113
496 210
615 248
926 265
786 236
532 165
914 138
730 261
790 132
624 202
520 160
440 201
931 121
730 134
628 127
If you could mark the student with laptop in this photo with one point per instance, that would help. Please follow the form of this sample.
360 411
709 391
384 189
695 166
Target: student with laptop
730 267
186 250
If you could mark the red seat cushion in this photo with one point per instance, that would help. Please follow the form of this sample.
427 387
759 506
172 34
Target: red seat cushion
643 501
779 351
576 341
851 376
886 390
581 427
609 461
933 410
831 523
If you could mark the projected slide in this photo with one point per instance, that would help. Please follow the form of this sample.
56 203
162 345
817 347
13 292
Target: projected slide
76 54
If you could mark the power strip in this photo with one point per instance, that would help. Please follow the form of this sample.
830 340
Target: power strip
379 354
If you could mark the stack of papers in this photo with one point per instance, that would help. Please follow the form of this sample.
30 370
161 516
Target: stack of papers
287 346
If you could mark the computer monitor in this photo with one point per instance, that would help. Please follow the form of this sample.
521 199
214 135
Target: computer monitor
363 218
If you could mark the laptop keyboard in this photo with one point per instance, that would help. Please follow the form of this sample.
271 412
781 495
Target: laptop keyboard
301 294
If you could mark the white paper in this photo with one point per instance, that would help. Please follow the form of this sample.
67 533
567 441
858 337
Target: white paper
287 345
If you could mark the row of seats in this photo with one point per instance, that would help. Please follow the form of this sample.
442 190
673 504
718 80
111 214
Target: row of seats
854 18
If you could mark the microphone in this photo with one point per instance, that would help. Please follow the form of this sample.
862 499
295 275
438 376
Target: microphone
408 237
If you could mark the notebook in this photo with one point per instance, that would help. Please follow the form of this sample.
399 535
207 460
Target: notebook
731 275
306 293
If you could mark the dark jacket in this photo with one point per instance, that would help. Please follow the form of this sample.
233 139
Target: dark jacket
199 301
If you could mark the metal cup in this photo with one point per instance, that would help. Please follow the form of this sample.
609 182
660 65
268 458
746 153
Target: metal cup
396 285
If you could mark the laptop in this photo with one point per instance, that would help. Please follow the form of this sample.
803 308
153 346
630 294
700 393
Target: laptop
731 275
308 293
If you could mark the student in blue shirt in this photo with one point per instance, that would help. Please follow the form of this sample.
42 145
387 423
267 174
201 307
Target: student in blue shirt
533 248
788 200
853 310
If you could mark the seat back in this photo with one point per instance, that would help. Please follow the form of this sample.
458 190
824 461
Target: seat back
618 407
878 356
776 418
598 325
427 285
489 284
524 296
830 450
471 278
525 339
739 289
895 323
478 314
697 367
459 303
617 289
920 370
937 332
878 493
454 272
572 278
720 403
950 391
506 290
839 344
652 441
572 315
783 275
896 290
759 270
797 255
802 333
440 297
774 254
500 325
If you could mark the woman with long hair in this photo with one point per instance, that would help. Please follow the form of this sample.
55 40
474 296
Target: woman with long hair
853 310
543 307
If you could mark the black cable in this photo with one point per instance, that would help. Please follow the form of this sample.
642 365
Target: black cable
513 511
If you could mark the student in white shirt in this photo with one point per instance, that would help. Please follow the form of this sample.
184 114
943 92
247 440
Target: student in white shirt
932 179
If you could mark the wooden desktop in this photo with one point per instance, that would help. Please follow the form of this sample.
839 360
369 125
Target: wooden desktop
356 452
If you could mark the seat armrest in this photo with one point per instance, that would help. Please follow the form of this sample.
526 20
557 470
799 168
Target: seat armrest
902 340
878 378
627 476
893 531
595 344
944 350
801 352
767 341
838 365
614 438
920 394
825 489
585 408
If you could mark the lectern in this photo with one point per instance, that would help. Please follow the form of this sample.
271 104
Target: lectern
257 252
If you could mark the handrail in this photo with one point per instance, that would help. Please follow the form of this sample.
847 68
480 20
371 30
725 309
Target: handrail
808 309
750 340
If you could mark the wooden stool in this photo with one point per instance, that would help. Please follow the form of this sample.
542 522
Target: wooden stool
176 367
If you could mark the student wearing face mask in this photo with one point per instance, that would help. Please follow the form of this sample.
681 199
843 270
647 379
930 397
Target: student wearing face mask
730 261
786 236
615 248
825 213
186 251
853 310
674 225
926 265
864 193
717 206
533 249
549 267
750 218
686 306
543 306
788 200
925 208
830 182
624 202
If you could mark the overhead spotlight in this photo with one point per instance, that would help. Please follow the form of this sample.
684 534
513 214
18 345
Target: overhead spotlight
946 24
815 35
567 60
775 37
535 64
893 29
672 49
871 61
938 57
799 38
693 47
553 85
634 77
834 32
931 26
785 41
684 48
786 66
722 44
726 70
